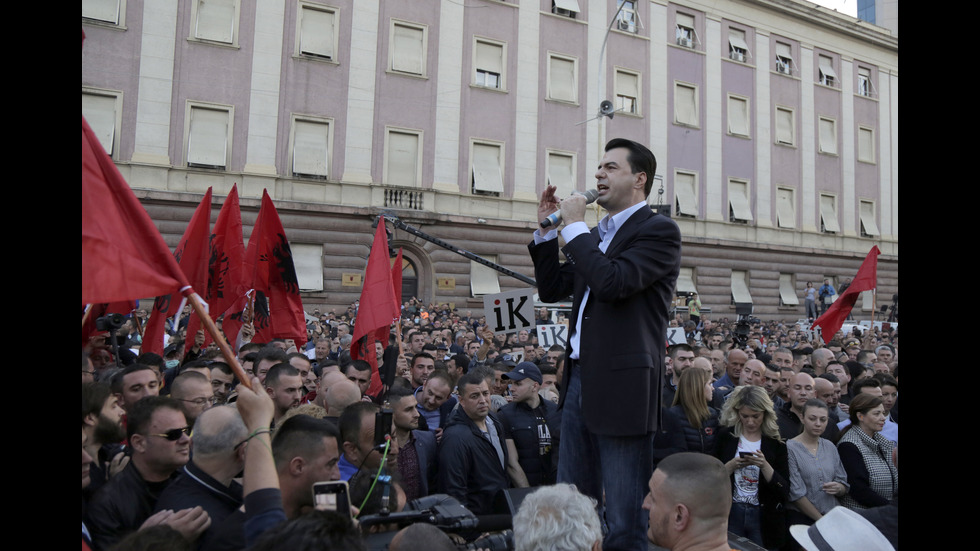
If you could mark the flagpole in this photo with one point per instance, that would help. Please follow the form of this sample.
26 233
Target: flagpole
229 356
88 310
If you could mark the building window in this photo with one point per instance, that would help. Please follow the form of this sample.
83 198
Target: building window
562 78
785 208
740 287
565 8
317 36
686 193
685 30
308 262
828 214
685 281
685 104
868 226
738 49
828 136
785 126
561 172
209 132
864 81
784 58
407 48
739 208
866 144
627 92
215 20
483 279
626 20
787 291
104 11
828 77
311 148
738 116
489 63
403 152
101 109
487 168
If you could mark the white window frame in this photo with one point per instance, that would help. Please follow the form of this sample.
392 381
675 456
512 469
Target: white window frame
678 85
389 157
308 263
565 183
621 92
787 290
827 135
305 172
96 11
789 111
784 60
785 207
491 178
686 192
98 126
686 35
828 214
864 86
310 50
565 8
862 152
477 70
869 228
189 137
738 48
739 201
825 70
627 18
554 89
739 125
394 51
195 31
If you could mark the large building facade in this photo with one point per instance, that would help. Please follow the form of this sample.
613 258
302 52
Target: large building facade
775 124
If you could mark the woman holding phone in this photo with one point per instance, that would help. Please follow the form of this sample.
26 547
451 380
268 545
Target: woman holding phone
816 475
750 446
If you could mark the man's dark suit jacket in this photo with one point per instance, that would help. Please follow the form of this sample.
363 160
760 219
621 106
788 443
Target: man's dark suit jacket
624 325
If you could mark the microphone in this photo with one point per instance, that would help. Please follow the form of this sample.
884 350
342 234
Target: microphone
555 218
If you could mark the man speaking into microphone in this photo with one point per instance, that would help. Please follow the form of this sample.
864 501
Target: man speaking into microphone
621 275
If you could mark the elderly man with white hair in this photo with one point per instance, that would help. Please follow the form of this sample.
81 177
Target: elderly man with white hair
557 517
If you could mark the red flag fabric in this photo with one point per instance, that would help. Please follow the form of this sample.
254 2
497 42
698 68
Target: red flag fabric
396 280
377 309
226 269
867 278
123 254
192 256
269 264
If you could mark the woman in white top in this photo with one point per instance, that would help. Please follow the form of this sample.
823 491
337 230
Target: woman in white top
750 446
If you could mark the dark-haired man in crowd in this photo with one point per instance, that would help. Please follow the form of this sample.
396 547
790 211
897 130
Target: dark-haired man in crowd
158 435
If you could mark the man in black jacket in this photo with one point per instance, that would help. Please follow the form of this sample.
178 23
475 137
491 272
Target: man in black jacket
472 455
531 426
158 435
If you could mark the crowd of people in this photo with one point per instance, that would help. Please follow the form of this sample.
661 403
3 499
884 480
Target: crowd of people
799 428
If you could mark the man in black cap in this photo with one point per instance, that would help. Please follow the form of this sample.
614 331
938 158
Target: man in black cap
531 426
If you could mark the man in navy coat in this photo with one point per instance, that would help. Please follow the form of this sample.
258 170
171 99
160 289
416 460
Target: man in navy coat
621 275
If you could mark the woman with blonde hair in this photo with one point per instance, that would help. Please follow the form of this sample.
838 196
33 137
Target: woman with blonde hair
690 425
755 456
